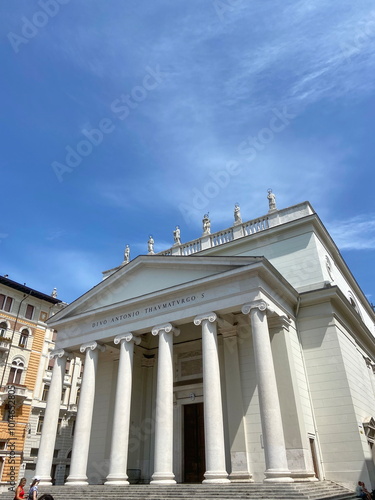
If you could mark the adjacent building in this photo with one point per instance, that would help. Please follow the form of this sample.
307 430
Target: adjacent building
23 333
244 355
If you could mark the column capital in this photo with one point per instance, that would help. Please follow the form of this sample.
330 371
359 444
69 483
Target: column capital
57 353
92 345
167 328
127 337
256 304
210 316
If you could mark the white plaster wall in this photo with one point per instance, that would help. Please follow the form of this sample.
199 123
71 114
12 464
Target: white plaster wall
362 396
293 255
340 443
340 281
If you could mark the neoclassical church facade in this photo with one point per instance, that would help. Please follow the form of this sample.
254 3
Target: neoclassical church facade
244 355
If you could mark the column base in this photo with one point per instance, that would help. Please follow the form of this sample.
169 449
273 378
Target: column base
45 482
278 476
303 476
76 481
216 477
240 477
163 478
120 480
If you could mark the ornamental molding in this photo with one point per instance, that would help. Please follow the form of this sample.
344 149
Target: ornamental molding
167 328
210 316
92 346
57 353
127 337
278 323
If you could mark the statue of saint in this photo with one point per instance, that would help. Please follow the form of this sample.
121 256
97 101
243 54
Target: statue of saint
54 293
150 244
271 200
127 254
176 236
206 225
237 214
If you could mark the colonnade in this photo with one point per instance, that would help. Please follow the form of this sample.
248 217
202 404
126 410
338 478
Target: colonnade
273 437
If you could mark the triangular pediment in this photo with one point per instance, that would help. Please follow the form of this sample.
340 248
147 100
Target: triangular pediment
147 275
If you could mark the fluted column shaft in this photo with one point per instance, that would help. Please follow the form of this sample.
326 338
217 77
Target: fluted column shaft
163 459
51 418
121 418
82 432
213 410
270 414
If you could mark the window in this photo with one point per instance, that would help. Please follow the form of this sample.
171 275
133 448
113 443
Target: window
5 303
40 425
63 395
16 371
67 365
3 328
23 338
29 311
51 362
45 392
34 452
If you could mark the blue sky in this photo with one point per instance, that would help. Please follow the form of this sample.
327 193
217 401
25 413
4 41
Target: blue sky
161 99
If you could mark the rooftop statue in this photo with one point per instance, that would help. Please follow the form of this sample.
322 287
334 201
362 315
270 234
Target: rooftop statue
150 244
127 254
206 225
177 236
271 200
54 293
237 214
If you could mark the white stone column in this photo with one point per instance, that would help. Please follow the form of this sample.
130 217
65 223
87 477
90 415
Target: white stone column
213 410
51 418
270 414
121 418
236 421
82 431
163 461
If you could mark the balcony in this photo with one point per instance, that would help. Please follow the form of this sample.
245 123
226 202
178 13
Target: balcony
4 344
19 391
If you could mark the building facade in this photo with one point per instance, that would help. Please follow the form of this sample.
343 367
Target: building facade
244 355
23 330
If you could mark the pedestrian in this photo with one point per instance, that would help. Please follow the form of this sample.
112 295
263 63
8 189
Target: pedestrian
33 492
20 492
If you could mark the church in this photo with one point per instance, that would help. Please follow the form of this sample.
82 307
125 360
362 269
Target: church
245 355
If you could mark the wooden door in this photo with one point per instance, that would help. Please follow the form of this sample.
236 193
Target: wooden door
194 450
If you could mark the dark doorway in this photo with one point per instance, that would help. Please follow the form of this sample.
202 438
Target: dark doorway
194 453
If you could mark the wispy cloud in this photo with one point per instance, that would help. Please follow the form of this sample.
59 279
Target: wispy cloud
356 233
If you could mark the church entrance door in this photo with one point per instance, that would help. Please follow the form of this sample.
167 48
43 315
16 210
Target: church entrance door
194 450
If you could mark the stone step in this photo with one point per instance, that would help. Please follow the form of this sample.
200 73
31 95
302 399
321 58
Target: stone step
323 490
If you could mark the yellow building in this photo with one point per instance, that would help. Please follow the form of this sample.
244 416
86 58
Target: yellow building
23 313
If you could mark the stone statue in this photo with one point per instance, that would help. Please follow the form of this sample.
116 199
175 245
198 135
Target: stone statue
176 236
237 214
271 200
150 244
54 293
206 225
127 254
